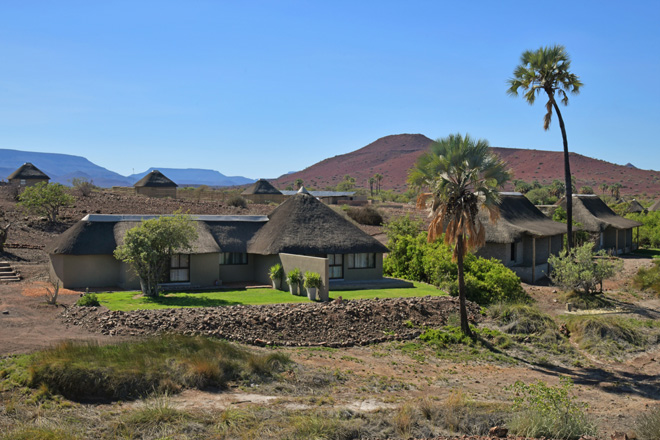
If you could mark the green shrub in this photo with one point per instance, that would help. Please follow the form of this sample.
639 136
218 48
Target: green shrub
88 300
649 234
276 272
237 201
547 411
648 278
366 215
582 270
647 424
313 279
522 319
412 257
294 276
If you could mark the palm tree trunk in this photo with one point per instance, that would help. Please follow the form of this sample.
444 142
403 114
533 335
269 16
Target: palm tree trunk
465 325
567 177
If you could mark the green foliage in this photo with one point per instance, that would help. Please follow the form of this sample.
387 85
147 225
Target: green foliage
45 199
649 233
541 196
412 257
522 319
365 215
148 248
347 184
294 276
582 270
648 278
276 272
85 370
88 300
647 424
586 190
549 411
313 279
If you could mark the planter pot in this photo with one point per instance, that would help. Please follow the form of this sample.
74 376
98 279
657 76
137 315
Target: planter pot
293 288
276 283
311 293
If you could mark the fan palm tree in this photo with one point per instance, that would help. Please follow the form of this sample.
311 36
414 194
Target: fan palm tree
547 70
604 187
462 175
378 178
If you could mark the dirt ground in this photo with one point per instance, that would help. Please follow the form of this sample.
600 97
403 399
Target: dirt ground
615 391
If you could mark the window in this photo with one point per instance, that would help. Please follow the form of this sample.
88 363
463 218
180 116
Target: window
362 261
230 258
513 251
336 266
180 268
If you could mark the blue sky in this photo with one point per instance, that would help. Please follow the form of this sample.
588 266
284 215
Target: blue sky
260 88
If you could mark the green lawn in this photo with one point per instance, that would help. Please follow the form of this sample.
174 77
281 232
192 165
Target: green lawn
653 253
126 301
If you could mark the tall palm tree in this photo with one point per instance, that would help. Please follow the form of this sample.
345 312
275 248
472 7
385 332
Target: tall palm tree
378 178
462 175
547 70
604 187
372 180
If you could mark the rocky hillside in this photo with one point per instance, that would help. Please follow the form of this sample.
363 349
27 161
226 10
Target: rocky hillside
392 156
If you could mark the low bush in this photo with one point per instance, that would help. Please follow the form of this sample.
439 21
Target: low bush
647 424
547 411
648 278
582 270
365 215
522 319
237 201
412 257
312 279
88 300
87 371
649 234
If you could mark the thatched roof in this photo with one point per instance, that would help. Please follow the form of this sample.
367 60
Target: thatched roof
261 186
28 171
655 206
595 215
155 179
303 225
518 217
635 206
101 234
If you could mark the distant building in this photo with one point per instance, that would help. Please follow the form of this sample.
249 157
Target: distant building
332 197
262 191
27 175
614 233
155 184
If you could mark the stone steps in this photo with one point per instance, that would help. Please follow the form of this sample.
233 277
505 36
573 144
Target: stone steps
7 273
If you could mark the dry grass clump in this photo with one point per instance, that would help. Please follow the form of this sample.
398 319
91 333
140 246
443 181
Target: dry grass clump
648 278
647 425
366 215
237 201
87 371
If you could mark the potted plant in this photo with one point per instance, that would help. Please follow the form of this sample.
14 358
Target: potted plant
312 284
293 278
276 273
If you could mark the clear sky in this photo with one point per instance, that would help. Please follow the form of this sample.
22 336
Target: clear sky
260 88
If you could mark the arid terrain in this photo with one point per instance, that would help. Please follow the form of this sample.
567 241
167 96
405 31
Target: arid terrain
370 377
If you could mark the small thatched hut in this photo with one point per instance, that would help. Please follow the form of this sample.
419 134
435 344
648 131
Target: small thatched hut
155 184
614 232
635 207
523 238
262 191
27 175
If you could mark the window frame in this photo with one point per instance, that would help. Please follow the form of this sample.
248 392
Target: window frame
371 262
177 266
232 257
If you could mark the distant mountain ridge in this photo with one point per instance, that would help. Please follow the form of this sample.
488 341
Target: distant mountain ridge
393 156
62 168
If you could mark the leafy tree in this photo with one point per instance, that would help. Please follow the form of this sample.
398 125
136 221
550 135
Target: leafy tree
615 190
548 70
462 174
347 184
148 248
45 199
586 190
557 188
83 186
582 270
522 187
298 183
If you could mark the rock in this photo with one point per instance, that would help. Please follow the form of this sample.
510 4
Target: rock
498 431
5 312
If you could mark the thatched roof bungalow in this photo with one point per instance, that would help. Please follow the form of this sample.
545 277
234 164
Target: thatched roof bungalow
522 237
156 184
27 175
635 207
302 232
614 232
262 191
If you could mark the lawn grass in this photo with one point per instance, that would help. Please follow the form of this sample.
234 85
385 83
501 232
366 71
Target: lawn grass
126 301
651 252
